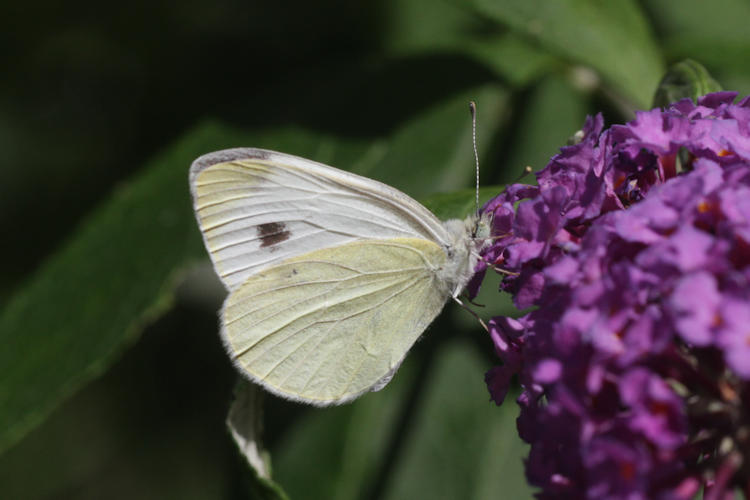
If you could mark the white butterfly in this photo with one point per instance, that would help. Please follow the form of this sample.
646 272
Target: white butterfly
331 276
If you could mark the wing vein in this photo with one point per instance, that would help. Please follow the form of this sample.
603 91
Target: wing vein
273 259
371 217
298 317
319 282
256 238
393 295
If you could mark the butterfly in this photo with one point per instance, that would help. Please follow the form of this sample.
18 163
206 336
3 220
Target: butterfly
332 276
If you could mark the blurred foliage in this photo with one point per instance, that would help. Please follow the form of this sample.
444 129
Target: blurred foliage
686 79
113 382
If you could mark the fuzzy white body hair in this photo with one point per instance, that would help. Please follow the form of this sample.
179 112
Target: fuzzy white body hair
467 239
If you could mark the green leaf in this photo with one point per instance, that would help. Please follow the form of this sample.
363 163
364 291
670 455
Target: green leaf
612 38
245 423
348 443
91 299
459 204
553 112
685 79
117 271
714 33
433 151
460 445
419 27
449 440
512 58
151 427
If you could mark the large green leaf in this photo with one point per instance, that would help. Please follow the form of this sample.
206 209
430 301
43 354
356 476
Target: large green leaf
433 151
92 298
685 79
150 427
420 27
116 273
554 111
460 445
512 58
714 33
612 38
346 443
432 431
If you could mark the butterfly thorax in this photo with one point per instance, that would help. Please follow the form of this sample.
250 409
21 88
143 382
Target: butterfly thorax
467 238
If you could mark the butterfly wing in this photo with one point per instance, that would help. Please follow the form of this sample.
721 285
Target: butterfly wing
326 326
257 208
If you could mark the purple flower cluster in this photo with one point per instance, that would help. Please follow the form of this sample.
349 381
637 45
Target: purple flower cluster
632 256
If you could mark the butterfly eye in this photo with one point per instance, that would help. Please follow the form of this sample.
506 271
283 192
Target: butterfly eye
482 226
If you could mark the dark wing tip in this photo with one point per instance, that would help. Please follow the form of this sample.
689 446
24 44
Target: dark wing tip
226 155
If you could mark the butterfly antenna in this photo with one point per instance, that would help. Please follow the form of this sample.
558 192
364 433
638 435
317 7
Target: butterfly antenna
473 109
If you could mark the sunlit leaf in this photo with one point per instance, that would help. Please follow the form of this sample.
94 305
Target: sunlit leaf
245 423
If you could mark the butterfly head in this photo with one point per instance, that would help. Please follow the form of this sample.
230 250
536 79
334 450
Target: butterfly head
468 238
481 227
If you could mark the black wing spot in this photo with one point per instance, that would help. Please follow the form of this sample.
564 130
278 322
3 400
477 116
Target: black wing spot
272 233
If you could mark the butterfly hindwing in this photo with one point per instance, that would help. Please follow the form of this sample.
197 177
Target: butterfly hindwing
326 326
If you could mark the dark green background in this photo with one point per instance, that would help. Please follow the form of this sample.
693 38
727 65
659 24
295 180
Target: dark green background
113 383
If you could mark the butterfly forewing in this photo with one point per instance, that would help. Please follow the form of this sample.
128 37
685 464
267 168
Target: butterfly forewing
326 326
257 208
